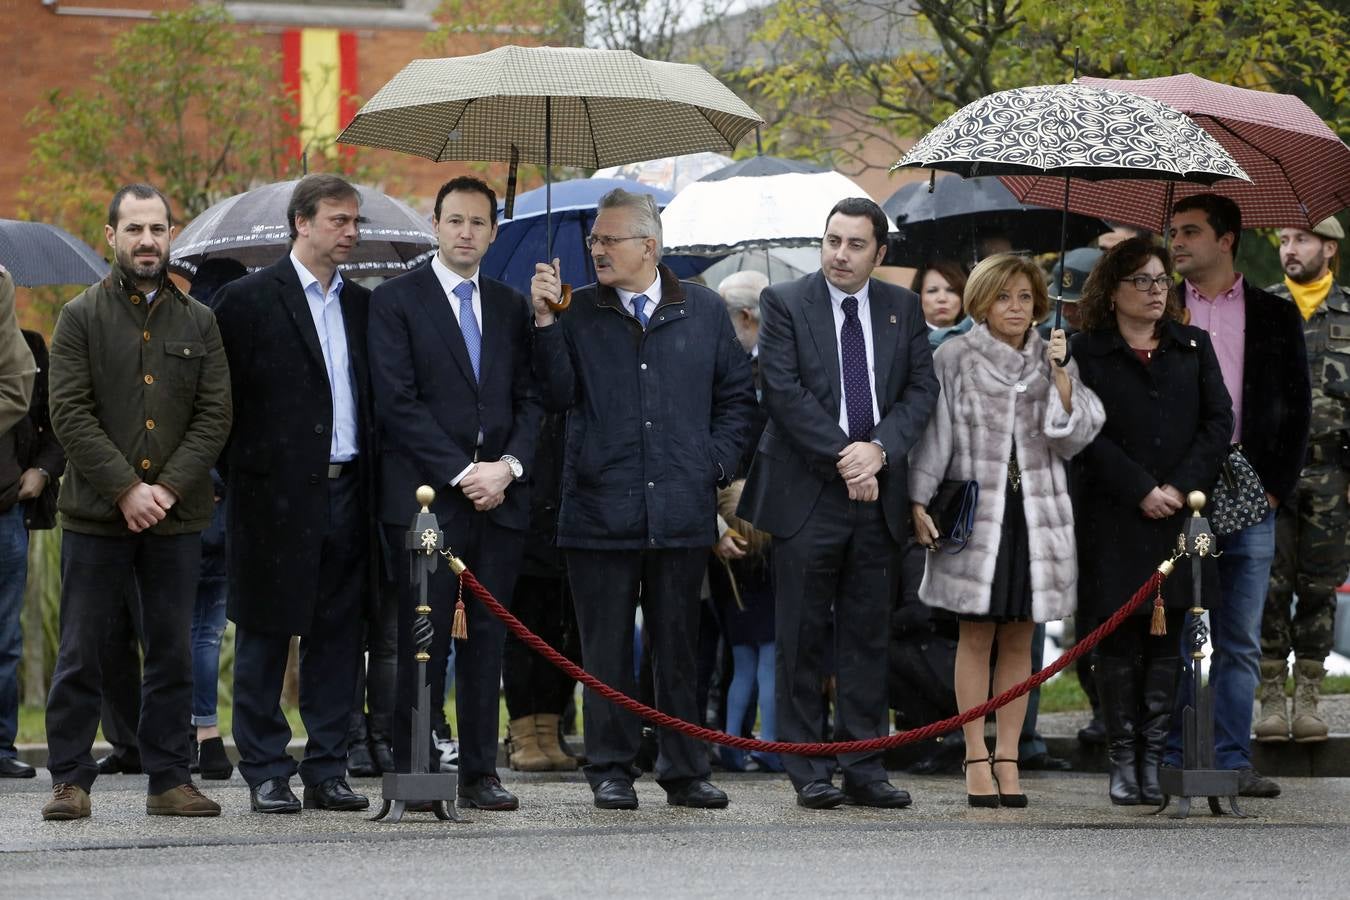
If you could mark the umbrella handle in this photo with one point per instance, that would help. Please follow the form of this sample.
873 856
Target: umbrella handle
564 301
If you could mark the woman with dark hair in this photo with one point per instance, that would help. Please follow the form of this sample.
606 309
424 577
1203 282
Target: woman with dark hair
1008 418
1168 422
941 286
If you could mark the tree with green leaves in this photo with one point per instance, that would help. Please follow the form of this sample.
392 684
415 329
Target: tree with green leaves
837 75
186 101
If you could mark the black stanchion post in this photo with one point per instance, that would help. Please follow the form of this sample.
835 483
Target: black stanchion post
424 542
1197 776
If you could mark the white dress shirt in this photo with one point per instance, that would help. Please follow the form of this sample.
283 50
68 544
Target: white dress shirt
326 310
653 293
865 318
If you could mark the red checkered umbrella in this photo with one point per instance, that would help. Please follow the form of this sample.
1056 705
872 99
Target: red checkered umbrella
1299 168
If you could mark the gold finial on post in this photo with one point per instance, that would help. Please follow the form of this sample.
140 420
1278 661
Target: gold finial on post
426 495
1196 501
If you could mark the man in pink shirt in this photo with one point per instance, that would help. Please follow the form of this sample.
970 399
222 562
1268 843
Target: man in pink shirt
1259 341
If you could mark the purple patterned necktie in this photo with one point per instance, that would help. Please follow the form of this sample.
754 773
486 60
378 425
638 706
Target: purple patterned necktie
857 383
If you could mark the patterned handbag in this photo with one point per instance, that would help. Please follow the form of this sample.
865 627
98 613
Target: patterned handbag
1238 500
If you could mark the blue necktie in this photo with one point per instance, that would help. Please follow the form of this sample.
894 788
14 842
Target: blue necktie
640 308
857 384
468 324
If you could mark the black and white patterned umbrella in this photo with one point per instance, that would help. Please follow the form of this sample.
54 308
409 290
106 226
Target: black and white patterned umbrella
251 227
1074 131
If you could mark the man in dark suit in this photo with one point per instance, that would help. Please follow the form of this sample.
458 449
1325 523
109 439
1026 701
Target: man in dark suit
849 385
450 361
298 465
659 399
1259 341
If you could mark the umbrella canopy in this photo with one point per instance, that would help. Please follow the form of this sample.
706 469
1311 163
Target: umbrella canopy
758 166
521 240
714 218
604 108
779 264
1299 168
670 173
252 228
948 221
36 254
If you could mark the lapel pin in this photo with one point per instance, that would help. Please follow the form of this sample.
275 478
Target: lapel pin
1192 342
892 320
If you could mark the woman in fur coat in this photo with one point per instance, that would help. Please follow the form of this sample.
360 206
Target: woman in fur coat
1008 417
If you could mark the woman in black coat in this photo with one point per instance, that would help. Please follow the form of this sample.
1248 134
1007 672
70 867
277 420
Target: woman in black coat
1168 422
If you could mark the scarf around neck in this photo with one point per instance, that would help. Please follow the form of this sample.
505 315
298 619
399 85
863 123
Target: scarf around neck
1309 296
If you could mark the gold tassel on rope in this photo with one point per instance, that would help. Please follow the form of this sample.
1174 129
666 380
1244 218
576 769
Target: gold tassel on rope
1159 625
459 626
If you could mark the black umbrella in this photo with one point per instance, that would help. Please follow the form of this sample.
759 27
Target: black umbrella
36 254
947 218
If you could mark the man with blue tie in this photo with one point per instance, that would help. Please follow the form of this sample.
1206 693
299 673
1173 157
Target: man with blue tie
848 381
457 410
299 468
659 398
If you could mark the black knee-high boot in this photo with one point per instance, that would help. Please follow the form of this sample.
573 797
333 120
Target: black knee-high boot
1117 684
1161 675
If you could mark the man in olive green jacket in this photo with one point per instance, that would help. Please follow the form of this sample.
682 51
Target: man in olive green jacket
140 400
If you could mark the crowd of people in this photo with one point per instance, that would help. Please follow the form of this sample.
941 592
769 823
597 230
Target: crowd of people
766 471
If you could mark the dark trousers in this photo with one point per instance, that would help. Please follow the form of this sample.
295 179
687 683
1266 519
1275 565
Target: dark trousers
95 572
493 554
330 652
607 586
532 684
376 681
121 661
841 567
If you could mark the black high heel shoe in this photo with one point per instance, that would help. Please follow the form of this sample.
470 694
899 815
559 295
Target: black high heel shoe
981 801
1012 801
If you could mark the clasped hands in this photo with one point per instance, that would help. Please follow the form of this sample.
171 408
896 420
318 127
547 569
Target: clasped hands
485 484
145 505
1162 502
858 465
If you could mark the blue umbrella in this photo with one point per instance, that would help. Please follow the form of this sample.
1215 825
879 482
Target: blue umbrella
521 241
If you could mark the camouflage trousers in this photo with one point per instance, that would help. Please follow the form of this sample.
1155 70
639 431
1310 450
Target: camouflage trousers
1312 557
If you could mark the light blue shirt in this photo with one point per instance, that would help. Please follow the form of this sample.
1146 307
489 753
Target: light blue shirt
326 310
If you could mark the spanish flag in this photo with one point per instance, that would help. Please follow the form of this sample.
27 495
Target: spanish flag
319 71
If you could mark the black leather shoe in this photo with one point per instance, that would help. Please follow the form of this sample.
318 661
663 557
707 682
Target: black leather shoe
360 764
1252 783
1044 762
273 796
820 795
117 764
486 793
382 754
881 794
334 794
697 793
15 768
615 794
214 764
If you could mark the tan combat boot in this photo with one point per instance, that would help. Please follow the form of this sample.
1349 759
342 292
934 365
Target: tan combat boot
1273 724
69 801
184 800
546 731
1308 726
525 755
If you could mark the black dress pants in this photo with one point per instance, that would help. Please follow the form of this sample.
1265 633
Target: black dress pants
533 685
842 567
330 652
493 554
122 677
607 586
95 574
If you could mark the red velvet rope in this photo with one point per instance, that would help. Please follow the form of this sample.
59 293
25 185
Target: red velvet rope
657 717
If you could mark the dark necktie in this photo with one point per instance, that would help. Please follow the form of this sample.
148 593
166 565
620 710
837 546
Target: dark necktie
640 308
857 383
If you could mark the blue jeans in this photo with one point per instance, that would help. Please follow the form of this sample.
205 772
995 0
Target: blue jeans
13 577
1235 633
208 627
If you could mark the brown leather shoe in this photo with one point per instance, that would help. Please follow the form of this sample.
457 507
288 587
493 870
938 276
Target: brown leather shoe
69 801
184 800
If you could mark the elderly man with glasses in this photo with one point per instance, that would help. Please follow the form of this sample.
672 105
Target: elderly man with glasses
660 395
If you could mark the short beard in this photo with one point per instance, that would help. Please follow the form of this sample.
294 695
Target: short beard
150 272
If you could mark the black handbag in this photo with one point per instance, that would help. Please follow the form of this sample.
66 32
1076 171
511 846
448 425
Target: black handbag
1238 500
953 512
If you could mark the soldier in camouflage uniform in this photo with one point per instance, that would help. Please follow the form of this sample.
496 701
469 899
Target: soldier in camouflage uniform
1312 532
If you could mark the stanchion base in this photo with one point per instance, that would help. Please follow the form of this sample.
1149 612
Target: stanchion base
402 790
1186 784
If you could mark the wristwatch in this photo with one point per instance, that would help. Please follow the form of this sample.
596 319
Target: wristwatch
882 448
517 470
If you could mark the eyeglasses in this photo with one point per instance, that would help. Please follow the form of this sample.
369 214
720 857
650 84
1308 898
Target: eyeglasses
1143 283
609 240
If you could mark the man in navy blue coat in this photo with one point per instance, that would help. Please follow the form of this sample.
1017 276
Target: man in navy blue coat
660 399
456 409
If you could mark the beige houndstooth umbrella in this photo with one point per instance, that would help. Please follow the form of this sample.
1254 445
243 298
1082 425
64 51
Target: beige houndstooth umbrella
547 105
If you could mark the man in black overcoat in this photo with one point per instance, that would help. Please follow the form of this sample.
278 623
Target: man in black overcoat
299 468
